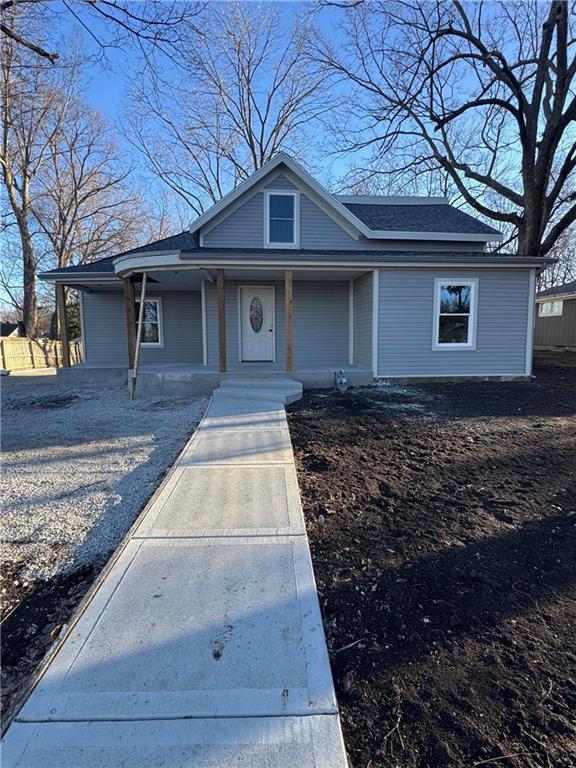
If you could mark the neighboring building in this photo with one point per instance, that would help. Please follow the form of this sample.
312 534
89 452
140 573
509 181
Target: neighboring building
12 330
282 276
556 317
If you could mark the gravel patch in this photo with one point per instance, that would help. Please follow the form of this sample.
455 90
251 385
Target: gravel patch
78 466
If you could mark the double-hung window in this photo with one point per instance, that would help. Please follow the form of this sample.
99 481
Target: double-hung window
281 216
551 308
455 314
152 327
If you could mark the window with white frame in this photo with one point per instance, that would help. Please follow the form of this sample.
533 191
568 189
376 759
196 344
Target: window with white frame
455 314
550 308
152 327
281 217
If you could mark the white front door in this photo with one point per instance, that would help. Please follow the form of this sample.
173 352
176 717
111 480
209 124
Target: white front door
257 332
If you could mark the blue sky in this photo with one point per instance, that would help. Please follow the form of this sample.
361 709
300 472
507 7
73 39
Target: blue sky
106 84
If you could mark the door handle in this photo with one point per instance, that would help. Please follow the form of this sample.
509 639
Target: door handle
270 330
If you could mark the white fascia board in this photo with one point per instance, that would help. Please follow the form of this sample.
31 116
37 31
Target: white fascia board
142 261
456 237
76 277
200 263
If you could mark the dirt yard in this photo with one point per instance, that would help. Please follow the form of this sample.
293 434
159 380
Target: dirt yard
442 521
78 466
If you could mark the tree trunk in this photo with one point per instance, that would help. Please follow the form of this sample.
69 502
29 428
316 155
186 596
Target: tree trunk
530 228
30 306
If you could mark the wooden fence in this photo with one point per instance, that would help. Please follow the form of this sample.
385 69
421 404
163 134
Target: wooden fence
26 354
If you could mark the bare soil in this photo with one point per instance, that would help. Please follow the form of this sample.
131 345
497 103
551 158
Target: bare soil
442 522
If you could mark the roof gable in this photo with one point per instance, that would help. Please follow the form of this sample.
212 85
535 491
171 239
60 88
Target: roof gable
374 221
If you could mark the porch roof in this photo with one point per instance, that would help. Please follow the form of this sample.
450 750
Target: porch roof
264 258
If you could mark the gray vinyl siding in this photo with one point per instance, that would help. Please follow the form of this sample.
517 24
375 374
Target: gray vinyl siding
244 228
321 315
405 328
320 323
558 331
105 329
280 182
362 316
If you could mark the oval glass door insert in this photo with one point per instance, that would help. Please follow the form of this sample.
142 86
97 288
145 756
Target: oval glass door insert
256 314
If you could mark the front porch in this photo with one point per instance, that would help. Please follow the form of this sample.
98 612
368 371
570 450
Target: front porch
188 329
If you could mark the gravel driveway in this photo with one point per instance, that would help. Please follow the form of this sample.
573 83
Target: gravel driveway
78 466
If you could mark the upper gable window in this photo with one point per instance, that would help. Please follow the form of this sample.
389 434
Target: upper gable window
281 215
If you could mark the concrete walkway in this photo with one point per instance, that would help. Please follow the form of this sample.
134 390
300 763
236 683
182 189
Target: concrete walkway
204 644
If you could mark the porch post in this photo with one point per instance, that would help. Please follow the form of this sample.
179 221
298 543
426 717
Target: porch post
62 325
130 309
288 307
221 320
134 375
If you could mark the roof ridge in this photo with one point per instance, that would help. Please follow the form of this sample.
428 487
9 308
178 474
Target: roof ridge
391 200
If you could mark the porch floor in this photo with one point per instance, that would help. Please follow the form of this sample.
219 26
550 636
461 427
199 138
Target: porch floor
182 379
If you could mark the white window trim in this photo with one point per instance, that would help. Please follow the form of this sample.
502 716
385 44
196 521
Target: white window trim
294 194
473 316
154 344
551 314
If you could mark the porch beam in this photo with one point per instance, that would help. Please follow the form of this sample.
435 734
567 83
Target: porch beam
62 324
221 319
289 312
130 310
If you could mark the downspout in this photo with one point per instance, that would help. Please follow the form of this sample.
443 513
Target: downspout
134 371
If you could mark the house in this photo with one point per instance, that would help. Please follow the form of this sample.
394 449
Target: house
556 317
12 330
283 276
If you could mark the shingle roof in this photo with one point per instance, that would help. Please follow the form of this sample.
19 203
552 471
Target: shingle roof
559 290
418 218
183 241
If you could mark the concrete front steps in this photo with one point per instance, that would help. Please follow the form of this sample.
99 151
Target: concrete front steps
271 390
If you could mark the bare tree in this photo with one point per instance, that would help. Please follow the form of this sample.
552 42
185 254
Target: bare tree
31 100
564 270
150 25
484 91
70 198
246 92
85 205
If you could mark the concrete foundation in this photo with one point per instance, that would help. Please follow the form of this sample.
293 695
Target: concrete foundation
184 381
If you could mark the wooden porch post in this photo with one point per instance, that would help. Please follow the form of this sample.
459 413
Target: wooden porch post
288 319
221 320
130 309
134 375
62 324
